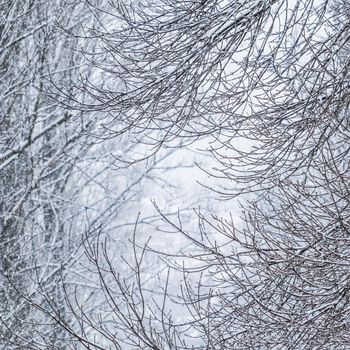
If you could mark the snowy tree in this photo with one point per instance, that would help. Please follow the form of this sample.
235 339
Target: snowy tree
59 185
266 83
96 98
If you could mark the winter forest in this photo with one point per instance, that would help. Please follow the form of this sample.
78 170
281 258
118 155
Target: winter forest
174 174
